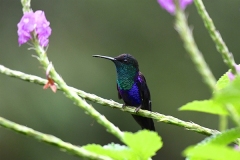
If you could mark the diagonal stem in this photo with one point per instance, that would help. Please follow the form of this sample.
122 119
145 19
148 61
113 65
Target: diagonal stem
191 47
216 36
52 140
110 103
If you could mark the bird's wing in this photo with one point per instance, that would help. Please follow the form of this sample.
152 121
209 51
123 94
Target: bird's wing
144 92
119 96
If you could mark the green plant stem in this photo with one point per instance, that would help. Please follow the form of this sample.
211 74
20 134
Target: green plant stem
43 59
223 123
234 113
157 116
220 45
26 5
52 140
216 36
190 45
186 35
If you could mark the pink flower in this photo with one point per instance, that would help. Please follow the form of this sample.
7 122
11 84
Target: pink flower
231 76
170 6
34 22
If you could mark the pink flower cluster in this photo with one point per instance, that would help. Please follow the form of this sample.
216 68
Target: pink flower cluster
34 21
170 6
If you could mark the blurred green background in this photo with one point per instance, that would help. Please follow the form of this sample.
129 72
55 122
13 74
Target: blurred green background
81 28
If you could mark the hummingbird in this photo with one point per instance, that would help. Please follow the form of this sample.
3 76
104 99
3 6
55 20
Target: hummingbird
132 87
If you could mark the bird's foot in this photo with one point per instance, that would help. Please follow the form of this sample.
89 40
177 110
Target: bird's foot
137 109
124 106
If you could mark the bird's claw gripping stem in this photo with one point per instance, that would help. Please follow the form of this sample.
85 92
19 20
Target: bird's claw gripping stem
137 109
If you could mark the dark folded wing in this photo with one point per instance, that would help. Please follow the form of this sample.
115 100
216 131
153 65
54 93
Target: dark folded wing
144 92
145 123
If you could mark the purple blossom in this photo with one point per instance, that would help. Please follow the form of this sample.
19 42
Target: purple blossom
34 21
170 6
231 76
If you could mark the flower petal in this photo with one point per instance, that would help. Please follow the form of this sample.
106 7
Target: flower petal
34 21
169 5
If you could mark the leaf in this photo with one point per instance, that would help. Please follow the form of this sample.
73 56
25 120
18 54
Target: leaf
117 147
216 140
223 81
115 151
141 146
230 94
223 138
213 152
144 143
208 106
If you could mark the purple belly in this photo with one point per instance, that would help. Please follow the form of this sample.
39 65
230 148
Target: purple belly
131 97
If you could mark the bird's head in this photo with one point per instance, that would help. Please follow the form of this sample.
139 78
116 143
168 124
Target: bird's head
125 63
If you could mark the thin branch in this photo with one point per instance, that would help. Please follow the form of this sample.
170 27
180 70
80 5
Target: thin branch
26 5
61 84
154 115
190 45
216 36
52 140
53 76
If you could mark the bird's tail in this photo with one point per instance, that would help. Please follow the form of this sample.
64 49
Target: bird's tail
145 123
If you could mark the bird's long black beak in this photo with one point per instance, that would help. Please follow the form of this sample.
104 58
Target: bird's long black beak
105 57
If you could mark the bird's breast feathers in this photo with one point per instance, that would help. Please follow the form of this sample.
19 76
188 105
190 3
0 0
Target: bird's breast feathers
132 96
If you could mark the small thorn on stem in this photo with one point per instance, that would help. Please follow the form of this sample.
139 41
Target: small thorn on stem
137 109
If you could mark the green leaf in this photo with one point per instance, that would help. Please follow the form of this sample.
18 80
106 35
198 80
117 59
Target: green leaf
144 143
213 152
141 146
115 151
223 138
217 140
117 147
230 94
222 82
208 106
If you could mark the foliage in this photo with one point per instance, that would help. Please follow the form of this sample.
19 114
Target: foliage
140 146
225 101
215 147
143 145
208 106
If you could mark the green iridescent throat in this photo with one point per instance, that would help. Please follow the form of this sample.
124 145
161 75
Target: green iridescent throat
125 76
